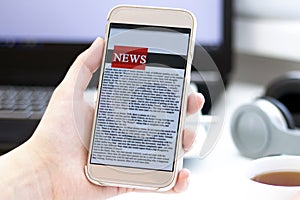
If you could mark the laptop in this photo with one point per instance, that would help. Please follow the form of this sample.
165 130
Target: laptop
40 40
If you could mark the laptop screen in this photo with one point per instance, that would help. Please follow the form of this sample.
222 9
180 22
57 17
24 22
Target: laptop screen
40 39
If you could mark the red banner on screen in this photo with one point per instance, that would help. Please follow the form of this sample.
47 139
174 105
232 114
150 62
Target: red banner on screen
129 57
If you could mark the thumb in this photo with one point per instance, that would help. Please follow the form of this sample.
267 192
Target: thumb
81 71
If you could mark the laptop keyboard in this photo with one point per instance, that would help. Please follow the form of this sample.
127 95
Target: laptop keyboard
24 102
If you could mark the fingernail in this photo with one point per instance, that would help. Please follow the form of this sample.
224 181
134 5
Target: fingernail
187 182
93 45
188 174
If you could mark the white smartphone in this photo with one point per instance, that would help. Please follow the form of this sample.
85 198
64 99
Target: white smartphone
142 95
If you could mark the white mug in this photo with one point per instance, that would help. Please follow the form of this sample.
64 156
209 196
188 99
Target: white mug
259 191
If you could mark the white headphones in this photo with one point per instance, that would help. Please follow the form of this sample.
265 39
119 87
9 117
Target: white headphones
267 126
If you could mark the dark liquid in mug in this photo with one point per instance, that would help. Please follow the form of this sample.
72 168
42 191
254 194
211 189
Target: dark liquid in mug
284 178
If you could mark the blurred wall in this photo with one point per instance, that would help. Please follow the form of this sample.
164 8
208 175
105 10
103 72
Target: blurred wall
266 39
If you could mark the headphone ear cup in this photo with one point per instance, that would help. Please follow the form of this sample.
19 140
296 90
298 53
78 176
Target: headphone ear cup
252 127
284 111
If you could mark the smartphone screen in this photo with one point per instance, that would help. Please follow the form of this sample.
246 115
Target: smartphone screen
141 91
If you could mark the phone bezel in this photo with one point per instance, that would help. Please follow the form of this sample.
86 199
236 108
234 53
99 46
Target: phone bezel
134 177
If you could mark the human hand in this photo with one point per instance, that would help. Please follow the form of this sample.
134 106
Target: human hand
58 144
